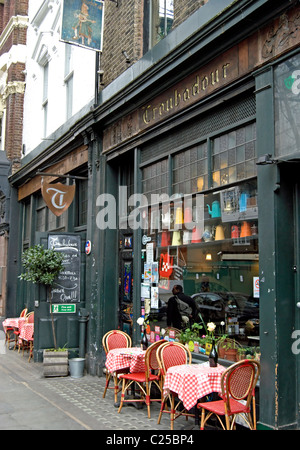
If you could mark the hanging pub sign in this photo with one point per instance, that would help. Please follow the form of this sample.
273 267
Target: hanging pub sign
82 23
58 197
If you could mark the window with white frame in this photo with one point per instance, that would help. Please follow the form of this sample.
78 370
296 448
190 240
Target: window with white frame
45 96
159 16
68 79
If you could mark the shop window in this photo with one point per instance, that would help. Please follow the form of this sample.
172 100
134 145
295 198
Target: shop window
158 21
287 106
155 179
234 156
82 202
210 248
46 220
205 239
190 170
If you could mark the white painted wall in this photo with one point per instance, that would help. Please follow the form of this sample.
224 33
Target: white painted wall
43 45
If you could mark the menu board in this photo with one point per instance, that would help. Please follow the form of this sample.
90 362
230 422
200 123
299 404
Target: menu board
66 289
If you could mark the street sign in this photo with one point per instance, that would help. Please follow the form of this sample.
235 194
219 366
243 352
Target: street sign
63 308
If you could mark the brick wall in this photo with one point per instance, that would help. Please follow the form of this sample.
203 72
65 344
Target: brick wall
123 31
14 94
185 8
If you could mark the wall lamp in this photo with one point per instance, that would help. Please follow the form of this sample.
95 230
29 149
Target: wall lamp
126 56
265 159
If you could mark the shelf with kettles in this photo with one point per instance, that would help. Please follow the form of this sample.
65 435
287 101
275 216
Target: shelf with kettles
230 216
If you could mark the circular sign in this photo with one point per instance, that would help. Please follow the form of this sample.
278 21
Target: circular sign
88 247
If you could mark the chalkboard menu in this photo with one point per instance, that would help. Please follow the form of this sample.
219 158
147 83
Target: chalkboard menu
66 289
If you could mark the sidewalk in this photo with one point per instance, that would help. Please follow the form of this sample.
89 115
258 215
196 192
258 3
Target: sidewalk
29 401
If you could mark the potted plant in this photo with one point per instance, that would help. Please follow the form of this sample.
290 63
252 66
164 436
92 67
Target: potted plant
42 266
241 353
231 350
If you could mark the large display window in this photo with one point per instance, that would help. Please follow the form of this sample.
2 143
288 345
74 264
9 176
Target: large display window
208 244
204 238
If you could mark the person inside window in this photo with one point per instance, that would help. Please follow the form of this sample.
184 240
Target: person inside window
174 315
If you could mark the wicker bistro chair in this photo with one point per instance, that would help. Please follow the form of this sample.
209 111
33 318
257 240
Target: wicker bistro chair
17 330
144 379
9 334
28 344
169 355
238 391
115 339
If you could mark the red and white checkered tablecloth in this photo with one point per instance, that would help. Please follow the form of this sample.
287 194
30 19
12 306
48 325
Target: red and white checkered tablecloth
14 322
123 358
26 332
193 381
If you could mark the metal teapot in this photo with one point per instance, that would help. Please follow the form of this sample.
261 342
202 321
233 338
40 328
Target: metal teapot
215 210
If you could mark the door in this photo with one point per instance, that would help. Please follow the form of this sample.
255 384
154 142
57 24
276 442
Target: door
126 282
296 269
66 323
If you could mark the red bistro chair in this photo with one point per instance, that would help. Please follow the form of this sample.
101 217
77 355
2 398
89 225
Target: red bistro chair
169 355
144 380
238 392
114 339
16 331
28 344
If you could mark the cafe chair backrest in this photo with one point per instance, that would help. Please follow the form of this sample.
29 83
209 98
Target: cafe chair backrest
30 317
173 354
151 359
23 312
116 339
239 380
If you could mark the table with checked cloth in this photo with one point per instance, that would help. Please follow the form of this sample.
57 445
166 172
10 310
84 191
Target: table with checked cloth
123 358
26 332
193 381
13 322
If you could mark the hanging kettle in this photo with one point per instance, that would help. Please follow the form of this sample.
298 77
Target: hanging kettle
166 219
165 239
215 210
245 229
196 235
176 240
219 233
178 216
207 235
188 215
235 232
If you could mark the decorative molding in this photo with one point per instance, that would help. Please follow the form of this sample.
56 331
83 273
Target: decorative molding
14 22
14 87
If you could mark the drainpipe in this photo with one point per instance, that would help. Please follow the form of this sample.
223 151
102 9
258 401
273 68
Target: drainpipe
83 319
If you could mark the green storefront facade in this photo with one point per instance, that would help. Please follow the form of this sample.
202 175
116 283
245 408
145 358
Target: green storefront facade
193 119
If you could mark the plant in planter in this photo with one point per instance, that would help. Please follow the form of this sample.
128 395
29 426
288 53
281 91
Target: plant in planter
190 334
221 344
42 266
231 350
241 353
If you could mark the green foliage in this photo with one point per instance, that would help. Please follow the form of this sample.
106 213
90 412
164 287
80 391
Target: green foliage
41 265
191 334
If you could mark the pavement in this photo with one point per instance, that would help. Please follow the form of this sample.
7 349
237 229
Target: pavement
30 401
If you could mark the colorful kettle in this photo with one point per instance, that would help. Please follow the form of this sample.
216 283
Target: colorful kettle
219 233
215 210
235 232
245 229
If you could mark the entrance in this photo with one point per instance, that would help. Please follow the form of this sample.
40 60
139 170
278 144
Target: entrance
296 269
65 311
126 282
